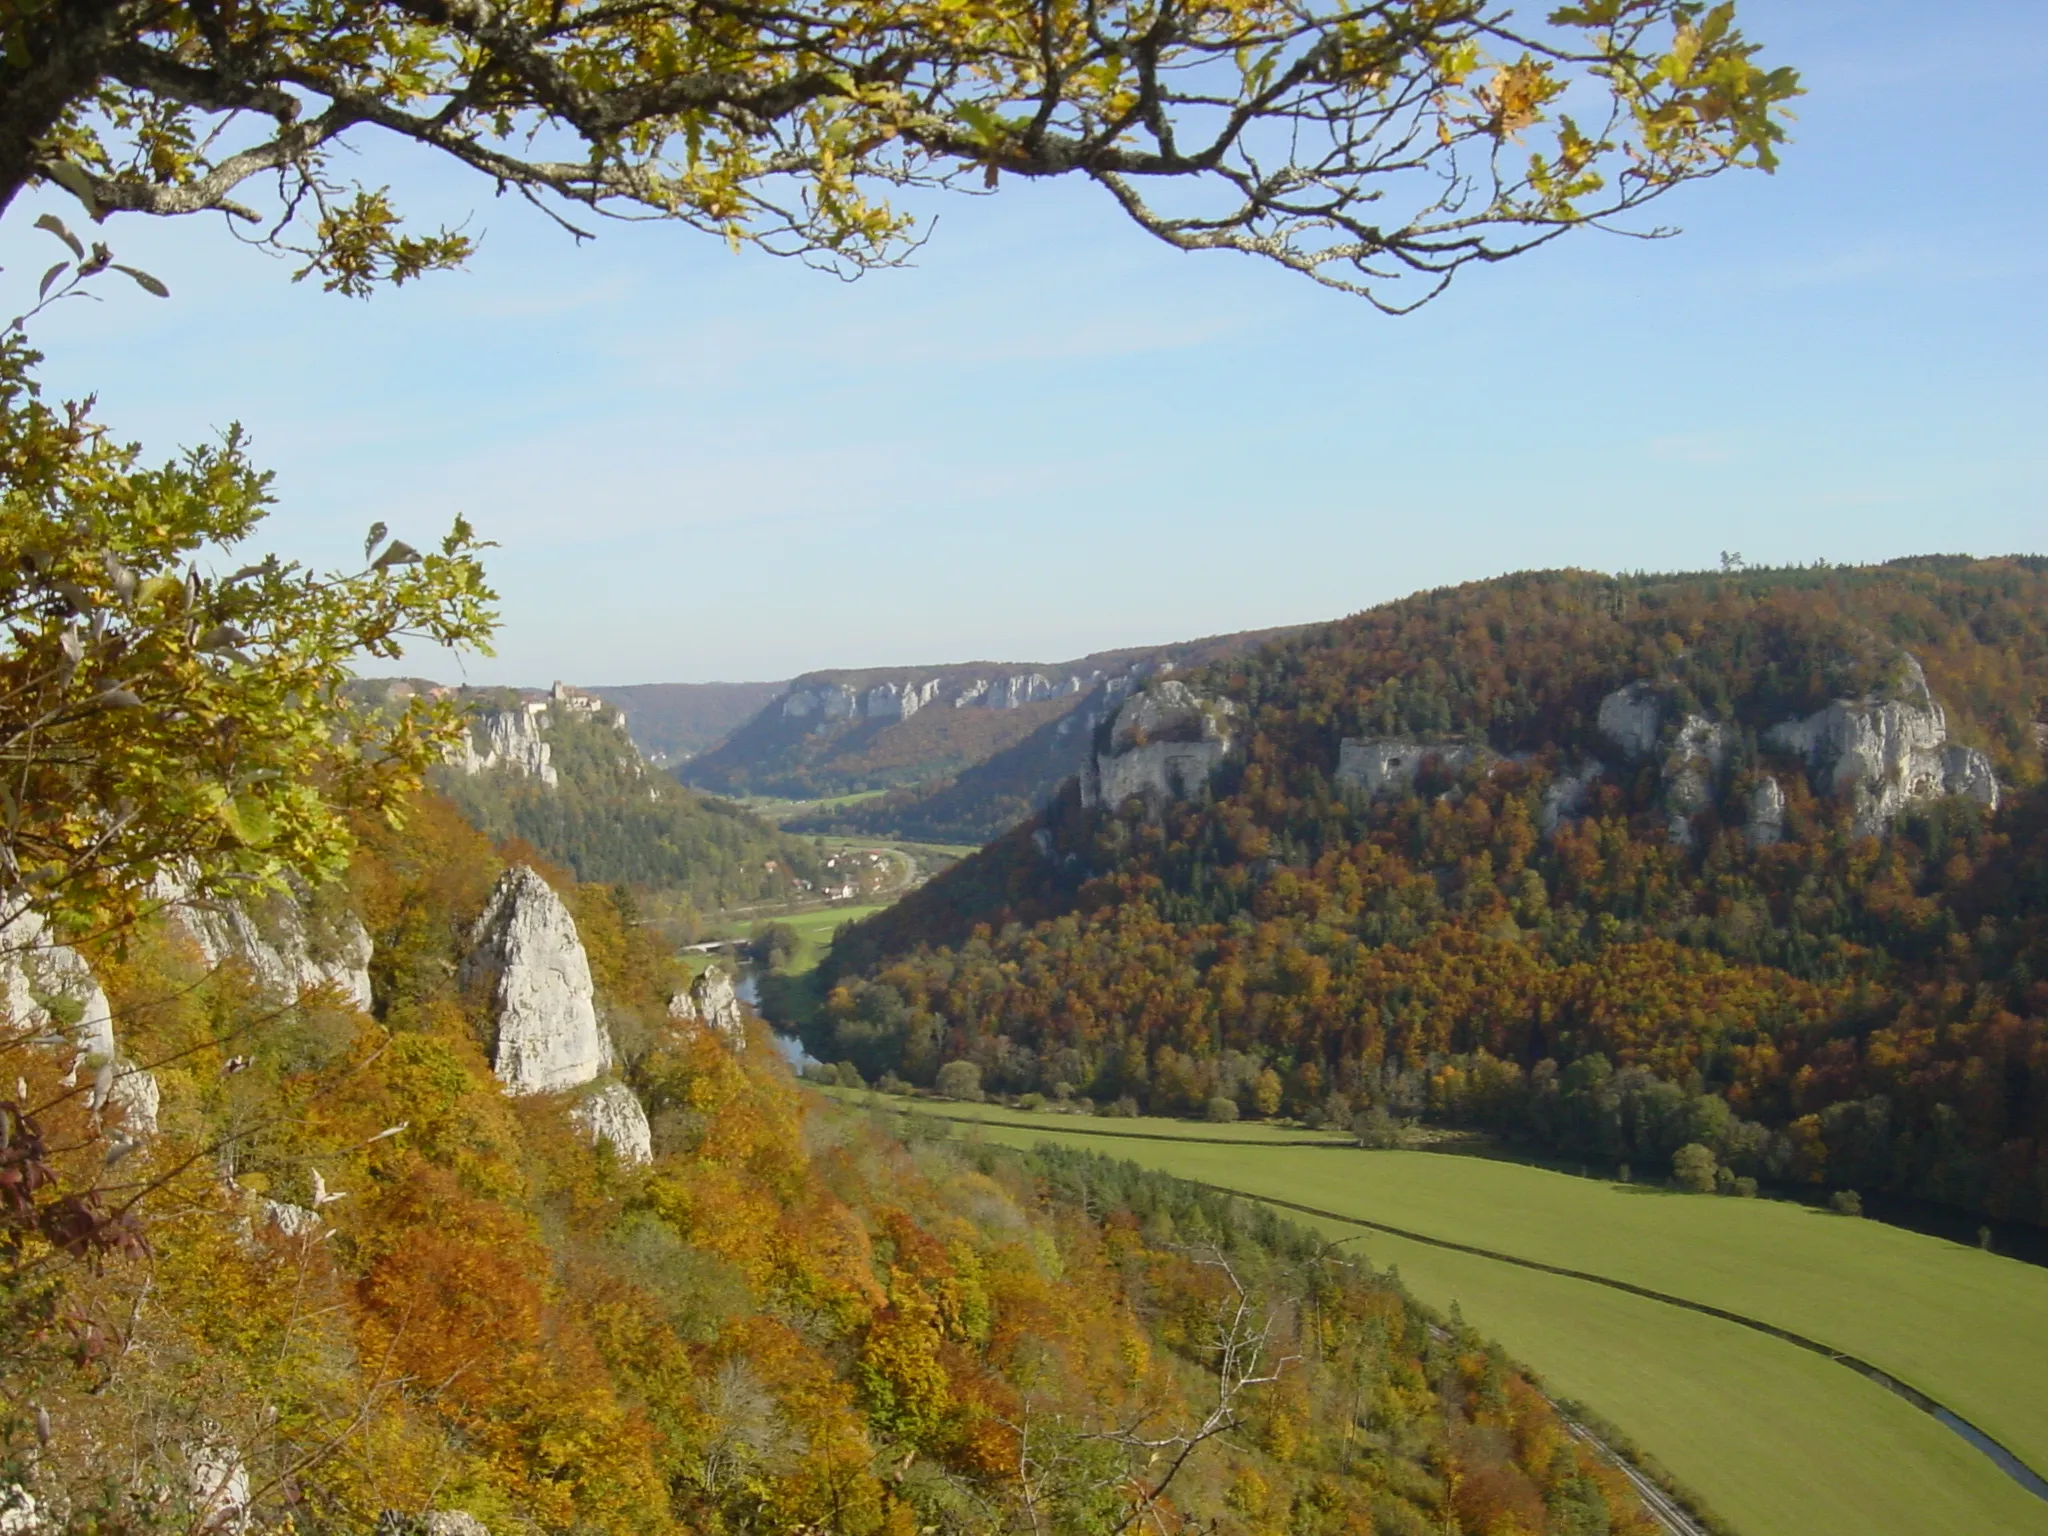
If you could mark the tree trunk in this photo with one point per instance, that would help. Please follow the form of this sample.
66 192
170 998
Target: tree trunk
54 54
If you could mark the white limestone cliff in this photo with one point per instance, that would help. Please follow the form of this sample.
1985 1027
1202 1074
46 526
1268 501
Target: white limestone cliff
41 980
1765 822
826 704
1882 753
511 739
613 1114
898 701
1017 691
288 948
1692 770
713 1002
1886 753
218 1480
1631 718
1165 743
1379 765
524 951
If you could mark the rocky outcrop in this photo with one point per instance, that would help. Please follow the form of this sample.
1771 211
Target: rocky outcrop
1632 719
712 1002
825 702
898 701
1883 753
435 1522
1568 796
289 1220
1015 692
1378 765
828 703
19 1514
1692 771
49 991
511 739
613 1114
1165 743
1764 820
1967 772
524 952
290 946
1886 753
218 1480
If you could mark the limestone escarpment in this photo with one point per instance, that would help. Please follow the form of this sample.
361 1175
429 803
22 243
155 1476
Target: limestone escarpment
1379 765
612 1114
525 954
1631 718
292 944
1164 743
1569 795
509 739
712 1002
915 732
48 991
1884 754
827 703
510 733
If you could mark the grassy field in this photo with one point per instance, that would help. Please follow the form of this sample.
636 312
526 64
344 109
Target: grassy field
1779 1440
779 811
816 930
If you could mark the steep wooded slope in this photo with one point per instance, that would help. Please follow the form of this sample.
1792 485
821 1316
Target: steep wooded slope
1535 926
357 1282
563 776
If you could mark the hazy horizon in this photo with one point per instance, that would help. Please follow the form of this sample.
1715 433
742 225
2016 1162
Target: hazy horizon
1053 436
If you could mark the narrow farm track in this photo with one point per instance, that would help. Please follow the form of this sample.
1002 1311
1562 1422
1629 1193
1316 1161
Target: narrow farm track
2002 1456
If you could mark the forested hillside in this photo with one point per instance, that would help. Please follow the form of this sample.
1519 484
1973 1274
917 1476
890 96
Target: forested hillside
983 801
352 1282
568 781
1566 857
670 722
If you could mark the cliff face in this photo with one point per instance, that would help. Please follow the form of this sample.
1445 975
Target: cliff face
289 945
713 1003
48 989
1162 744
612 1114
825 703
911 729
511 734
525 952
1383 764
1883 753
511 739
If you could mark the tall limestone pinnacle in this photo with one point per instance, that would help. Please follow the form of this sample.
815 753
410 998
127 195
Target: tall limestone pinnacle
525 951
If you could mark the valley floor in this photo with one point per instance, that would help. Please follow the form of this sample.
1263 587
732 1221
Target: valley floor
1779 1440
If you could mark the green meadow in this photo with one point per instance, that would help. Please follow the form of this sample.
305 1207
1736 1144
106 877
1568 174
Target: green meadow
1778 1440
815 929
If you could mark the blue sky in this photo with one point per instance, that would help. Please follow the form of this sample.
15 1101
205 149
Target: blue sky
1052 436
